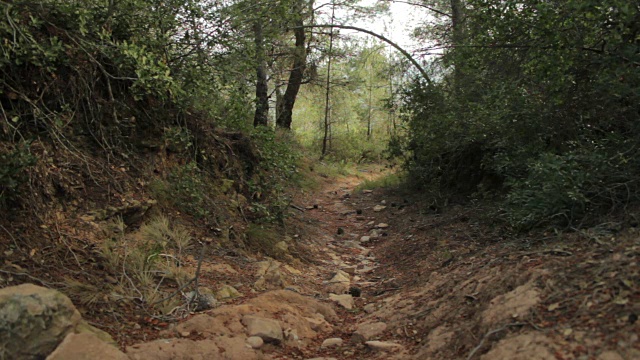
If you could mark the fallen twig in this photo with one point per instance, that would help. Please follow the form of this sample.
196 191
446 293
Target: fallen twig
195 279
558 252
486 336
29 276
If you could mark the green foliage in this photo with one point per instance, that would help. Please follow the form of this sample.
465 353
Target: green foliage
263 239
541 105
277 166
141 265
359 97
189 189
389 181
573 187
186 189
13 163
177 139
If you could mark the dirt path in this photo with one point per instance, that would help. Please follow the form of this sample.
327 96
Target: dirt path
384 276
380 274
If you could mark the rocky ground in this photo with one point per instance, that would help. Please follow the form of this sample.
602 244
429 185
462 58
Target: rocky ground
377 274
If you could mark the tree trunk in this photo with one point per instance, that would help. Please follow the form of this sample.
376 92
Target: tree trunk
458 30
328 92
369 125
261 117
295 77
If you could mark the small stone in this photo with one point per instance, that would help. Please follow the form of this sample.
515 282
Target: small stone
351 244
379 208
382 226
351 270
318 324
282 246
367 191
369 308
332 342
291 334
346 300
365 239
383 202
227 292
185 334
383 345
367 331
255 342
609 355
339 283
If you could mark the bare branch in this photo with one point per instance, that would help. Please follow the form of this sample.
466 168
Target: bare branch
413 61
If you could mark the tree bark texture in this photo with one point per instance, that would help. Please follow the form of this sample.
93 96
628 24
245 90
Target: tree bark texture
261 117
295 77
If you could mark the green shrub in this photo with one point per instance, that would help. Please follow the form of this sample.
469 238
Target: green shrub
562 190
185 188
277 166
13 163
189 189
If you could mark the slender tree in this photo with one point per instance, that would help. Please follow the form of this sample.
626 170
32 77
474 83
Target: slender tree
327 104
262 91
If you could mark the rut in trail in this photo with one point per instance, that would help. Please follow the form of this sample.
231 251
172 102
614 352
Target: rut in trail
376 274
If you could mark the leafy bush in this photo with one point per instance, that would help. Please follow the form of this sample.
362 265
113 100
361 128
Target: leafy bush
278 164
13 163
574 187
189 189
540 103
185 188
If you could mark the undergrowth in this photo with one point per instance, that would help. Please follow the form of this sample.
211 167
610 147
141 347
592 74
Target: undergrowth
140 264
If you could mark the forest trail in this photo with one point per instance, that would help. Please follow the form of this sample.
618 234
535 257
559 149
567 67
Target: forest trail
378 274
414 283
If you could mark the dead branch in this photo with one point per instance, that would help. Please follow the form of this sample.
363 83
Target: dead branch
486 336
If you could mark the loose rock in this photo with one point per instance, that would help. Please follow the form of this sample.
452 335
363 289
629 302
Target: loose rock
86 347
369 308
332 342
268 329
227 292
33 321
270 276
367 331
205 299
346 300
255 342
339 283
383 346
379 208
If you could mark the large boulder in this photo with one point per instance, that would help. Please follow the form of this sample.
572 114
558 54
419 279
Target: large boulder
33 321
